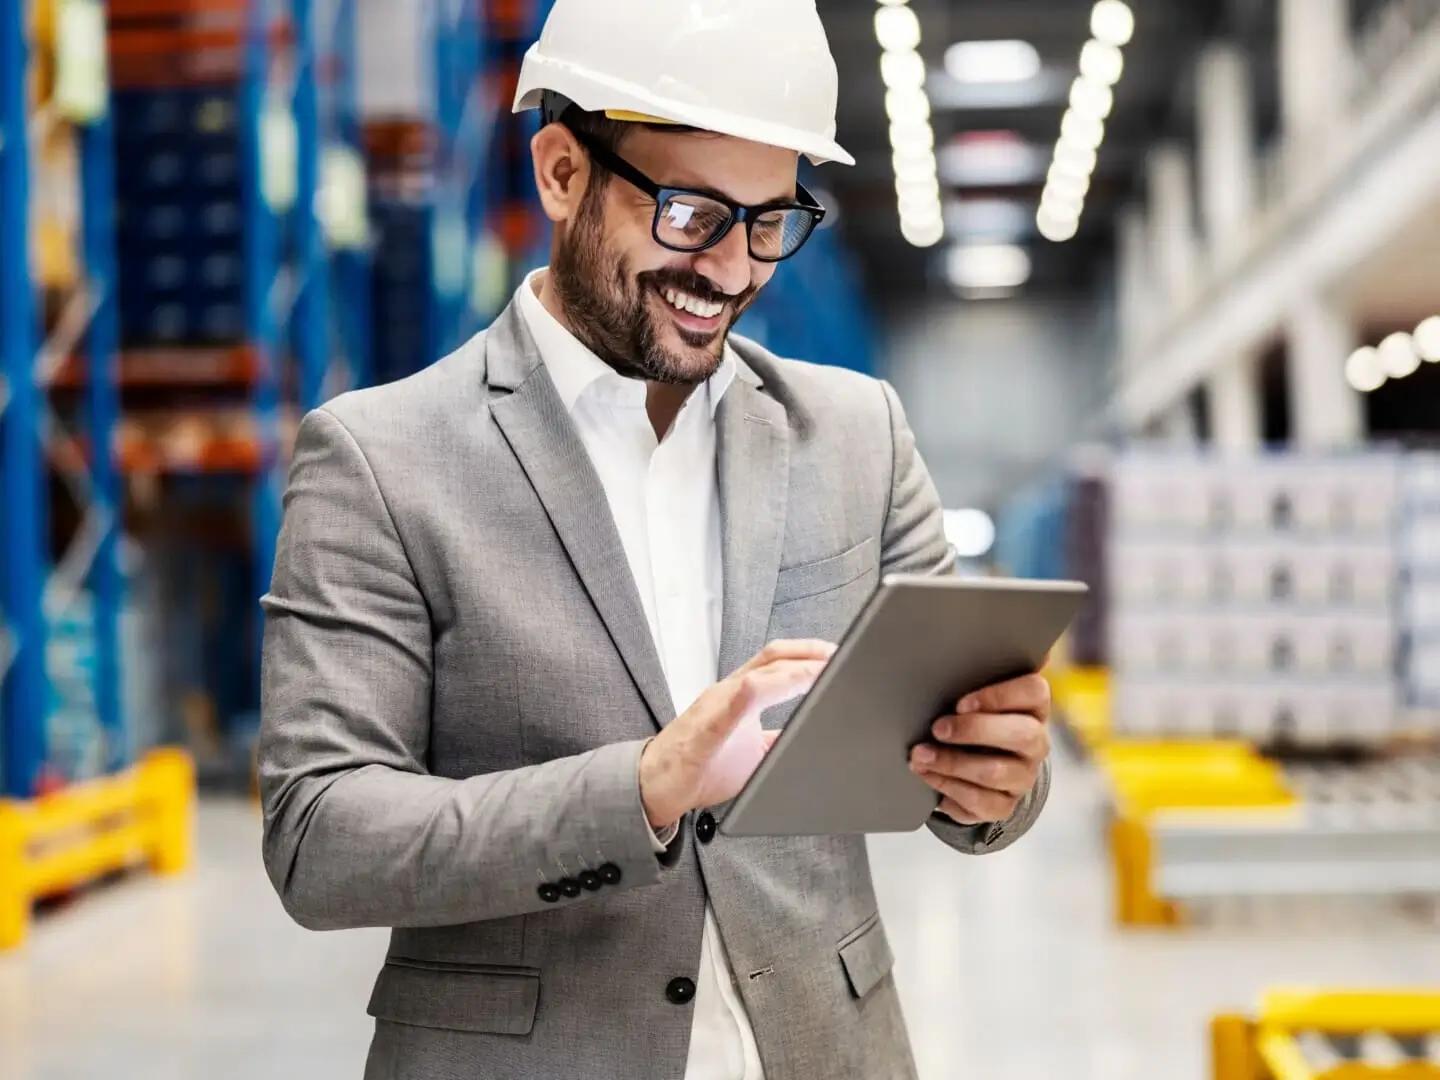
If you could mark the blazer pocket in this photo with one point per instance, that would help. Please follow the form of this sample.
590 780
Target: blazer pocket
457 997
865 953
814 578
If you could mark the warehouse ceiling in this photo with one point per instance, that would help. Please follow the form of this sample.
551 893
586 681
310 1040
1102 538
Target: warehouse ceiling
1154 98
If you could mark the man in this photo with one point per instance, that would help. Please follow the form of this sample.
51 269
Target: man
500 580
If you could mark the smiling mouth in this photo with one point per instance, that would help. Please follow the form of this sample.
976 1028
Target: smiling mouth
691 312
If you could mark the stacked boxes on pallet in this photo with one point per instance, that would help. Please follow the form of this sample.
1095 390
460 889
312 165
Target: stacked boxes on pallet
1255 597
1420 605
178 66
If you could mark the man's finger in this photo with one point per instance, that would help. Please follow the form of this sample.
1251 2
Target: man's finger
788 649
1003 774
1014 733
769 738
1028 693
754 692
979 803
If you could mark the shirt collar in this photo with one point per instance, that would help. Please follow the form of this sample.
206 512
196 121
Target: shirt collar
574 369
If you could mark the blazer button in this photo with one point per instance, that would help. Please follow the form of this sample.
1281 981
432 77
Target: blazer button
590 880
549 893
610 874
680 991
570 887
705 827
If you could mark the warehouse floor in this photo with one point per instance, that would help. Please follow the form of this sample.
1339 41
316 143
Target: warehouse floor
1009 966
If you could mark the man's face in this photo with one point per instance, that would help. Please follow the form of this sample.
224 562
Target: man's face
613 278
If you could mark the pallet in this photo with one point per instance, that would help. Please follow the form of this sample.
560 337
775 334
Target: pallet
1331 1035
144 815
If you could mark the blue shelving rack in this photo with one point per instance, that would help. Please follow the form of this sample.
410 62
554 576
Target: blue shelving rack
24 411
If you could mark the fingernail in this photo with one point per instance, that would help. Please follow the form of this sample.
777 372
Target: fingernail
969 703
924 754
943 728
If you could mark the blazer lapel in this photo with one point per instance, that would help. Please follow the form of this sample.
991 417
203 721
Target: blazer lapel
753 452
543 437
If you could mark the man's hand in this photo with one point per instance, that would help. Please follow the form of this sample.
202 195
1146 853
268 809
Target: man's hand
987 755
695 762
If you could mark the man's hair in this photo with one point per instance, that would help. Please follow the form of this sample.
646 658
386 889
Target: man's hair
609 133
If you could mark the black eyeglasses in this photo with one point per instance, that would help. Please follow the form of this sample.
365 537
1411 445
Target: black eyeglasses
688 220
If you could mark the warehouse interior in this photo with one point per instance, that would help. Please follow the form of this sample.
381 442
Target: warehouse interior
1158 282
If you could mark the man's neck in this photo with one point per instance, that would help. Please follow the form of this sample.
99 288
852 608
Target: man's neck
663 401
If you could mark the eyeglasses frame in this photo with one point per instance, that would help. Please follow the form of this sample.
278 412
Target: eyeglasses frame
662 194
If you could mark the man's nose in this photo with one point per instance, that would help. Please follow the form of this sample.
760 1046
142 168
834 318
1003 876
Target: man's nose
727 264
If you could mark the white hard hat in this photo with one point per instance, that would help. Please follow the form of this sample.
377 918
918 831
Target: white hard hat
756 69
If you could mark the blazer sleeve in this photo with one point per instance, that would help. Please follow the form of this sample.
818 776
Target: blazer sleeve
356 831
913 542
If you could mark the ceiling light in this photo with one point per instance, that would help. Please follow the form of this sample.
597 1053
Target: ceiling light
1064 183
988 266
914 166
992 61
1112 22
897 28
1081 130
970 532
1054 227
1077 160
914 190
894 3
1099 62
1000 219
1397 355
902 69
1062 205
991 159
912 137
1363 370
922 233
907 104
1427 339
1091 98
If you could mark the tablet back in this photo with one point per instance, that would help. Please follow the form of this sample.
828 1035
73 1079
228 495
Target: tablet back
921 643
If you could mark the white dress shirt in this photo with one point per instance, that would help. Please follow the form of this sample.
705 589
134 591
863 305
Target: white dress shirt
665 501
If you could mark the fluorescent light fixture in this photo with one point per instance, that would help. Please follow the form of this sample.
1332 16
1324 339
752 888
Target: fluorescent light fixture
1427 339
922 233
1397 355
988 266
1062 206
906 105
1363 370
914 166
1067 184
920 185
902 69
912 137
1055 227
1091 98
1100 63
992 61
1083 131
970 532
990 158
897 28
1073 159
1112 22
893 3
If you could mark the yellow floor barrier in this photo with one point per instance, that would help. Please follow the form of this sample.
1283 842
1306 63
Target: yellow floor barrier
57 842
1149 778
1330 1035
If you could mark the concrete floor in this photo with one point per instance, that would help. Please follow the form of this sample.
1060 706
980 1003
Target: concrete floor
1009 967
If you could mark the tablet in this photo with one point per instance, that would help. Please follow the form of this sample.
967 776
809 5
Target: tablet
842 763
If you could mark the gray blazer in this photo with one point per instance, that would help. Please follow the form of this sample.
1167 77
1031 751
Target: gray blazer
458 682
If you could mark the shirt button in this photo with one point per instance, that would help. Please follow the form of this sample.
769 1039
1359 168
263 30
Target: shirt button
680 991
705 827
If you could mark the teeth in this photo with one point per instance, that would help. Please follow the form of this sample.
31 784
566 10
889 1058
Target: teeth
693 304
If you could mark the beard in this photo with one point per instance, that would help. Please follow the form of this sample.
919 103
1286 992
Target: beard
610 310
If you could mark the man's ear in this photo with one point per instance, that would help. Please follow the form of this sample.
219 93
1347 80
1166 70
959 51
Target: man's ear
562 171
